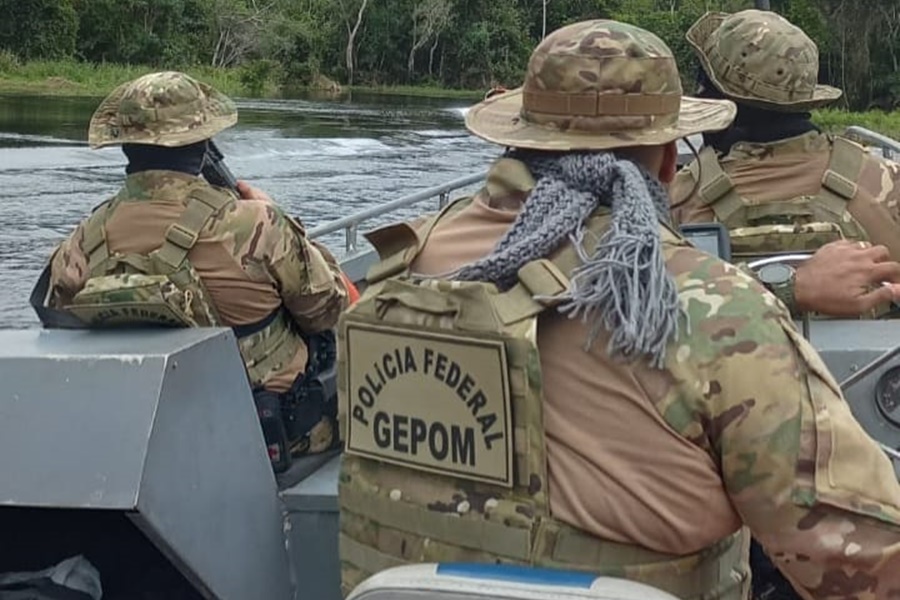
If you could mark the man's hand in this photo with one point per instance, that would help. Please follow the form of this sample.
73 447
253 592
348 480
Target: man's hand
248 192
845 279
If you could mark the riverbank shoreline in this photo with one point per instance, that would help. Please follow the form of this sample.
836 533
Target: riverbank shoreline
69 78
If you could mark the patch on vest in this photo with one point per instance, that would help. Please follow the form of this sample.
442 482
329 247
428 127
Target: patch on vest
112 315
434 402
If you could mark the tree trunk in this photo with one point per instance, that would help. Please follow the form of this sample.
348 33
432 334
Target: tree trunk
431 55
351 39
411 59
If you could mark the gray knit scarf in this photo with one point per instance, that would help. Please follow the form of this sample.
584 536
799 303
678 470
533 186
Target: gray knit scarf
623 286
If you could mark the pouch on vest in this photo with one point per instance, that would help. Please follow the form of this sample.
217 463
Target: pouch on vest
441 414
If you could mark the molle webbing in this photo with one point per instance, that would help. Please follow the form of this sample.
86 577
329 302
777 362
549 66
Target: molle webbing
393 515
181 235
801 224
717 190
265 351
269 350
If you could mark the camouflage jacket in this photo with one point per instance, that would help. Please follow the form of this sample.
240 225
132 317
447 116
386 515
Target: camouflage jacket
793 168
815 490
743 385
252 258
784 169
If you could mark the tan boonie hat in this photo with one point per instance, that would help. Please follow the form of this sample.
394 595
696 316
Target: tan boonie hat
161 109
597 85
760 58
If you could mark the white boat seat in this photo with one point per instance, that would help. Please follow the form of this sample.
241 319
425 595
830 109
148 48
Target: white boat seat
457 581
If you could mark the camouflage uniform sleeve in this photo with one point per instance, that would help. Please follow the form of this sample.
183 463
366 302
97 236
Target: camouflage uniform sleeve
68 269
814 489
882 176
306 274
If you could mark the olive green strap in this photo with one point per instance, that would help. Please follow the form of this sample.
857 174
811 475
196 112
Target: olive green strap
839 181
716 190
202 204
399 244
797 207
718 571
269 350
481 534
543 281
94 243
365 557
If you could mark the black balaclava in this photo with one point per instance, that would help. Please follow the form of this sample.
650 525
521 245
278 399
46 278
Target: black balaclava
185 159
752 124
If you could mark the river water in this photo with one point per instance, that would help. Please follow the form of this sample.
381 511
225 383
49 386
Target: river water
320 159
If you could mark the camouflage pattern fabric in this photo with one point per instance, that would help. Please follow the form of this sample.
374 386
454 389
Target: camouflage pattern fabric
760 58
261 247
872 214
391 515
740 383
747 387
164 109
597 85
744 386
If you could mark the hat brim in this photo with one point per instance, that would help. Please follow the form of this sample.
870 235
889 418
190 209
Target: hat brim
697 37
498 119
104 126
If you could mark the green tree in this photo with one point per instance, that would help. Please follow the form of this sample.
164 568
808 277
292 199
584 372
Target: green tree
34 29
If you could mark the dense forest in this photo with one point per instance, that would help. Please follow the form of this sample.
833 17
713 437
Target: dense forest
469 44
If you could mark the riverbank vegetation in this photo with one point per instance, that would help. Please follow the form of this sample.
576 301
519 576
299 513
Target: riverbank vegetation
426 47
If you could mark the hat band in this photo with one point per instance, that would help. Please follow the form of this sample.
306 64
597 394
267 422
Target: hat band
596 104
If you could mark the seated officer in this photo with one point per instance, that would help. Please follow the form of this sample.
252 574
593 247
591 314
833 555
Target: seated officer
171 249
778 183
546 374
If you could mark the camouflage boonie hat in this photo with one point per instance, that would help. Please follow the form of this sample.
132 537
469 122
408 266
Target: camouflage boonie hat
760 58
597 85
161 109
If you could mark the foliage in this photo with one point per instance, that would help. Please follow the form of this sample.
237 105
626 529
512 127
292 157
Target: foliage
35 29
70 77
259 76
445 43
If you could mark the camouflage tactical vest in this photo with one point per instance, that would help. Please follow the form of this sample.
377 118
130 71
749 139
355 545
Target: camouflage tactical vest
790 225
162 288
439 385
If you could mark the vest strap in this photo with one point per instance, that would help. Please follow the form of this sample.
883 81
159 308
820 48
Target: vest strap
839 180
365 557
94 243
399 244
715 184
480 534
181 235
542 282
718 571
269 349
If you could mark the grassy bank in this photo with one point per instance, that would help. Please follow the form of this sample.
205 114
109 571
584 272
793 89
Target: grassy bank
71 78
837 120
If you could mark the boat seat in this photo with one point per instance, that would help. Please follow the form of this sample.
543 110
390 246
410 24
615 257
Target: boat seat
463 581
